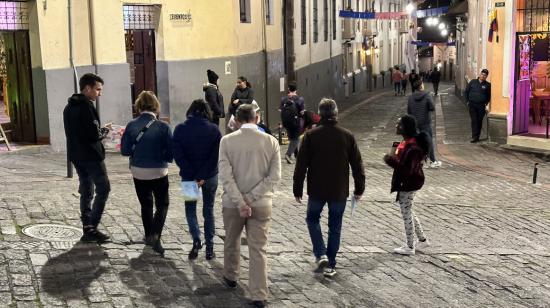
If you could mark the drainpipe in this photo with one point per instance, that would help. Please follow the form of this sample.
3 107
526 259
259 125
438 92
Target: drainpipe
92 44
71 60
266 65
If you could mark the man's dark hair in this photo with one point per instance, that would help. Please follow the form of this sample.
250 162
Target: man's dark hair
245 113
417 85
485 71
292 86
199 108
413 71
89 79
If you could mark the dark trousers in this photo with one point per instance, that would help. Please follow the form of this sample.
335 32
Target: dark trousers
92 174
428 130
397 87
335 214
477 113
404 86
216 120
153 192
208 197
436 86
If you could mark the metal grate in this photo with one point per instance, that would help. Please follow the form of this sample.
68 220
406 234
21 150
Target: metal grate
14 15
140 17
303 23
536 15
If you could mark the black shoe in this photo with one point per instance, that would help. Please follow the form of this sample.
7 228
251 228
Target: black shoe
194 253
474 140
210 254
100 236
157 246
259 304
93 235
149 240
229 283
87 237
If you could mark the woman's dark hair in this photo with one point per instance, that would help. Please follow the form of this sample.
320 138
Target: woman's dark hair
199 108
417 84
409 129
243 79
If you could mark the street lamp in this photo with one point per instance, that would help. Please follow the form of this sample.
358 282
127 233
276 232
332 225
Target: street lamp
441 26
444 32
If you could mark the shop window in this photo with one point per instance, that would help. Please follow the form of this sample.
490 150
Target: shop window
315 21
269 18
303 17
325 20
244 10
14 15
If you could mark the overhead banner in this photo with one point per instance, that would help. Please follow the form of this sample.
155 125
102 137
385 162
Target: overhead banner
425 44
393 15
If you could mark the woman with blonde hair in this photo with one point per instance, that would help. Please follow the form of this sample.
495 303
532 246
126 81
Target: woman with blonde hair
148 143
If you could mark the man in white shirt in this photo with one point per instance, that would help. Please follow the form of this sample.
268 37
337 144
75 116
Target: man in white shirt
249 166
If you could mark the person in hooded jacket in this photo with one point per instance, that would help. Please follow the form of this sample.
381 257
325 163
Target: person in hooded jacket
408 178
86 152
435 77
196 151
420 105
213 97
243 94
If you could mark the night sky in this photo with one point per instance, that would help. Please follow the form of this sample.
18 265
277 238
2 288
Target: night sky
433 34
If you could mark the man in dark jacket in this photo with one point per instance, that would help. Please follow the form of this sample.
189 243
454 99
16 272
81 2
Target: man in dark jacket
86 152
326 154
292 111
435 77
413 77
213 97
420 105
478 96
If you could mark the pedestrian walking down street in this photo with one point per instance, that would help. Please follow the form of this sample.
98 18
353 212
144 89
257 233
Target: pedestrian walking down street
325 155
86 152
148 143
214 97
435 77
397 77
413 77
250 167
404 82
292 111
408 178
478 96
196 151
421 105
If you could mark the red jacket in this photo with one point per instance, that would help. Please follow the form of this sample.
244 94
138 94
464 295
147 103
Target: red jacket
407 165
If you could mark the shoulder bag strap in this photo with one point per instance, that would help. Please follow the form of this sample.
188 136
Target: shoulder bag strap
140 135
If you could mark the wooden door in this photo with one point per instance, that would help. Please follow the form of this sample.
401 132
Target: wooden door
145 77
523 85
19 86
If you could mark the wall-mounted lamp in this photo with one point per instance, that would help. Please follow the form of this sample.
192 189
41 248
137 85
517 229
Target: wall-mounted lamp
368 52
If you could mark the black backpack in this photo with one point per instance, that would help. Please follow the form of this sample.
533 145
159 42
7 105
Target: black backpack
289 114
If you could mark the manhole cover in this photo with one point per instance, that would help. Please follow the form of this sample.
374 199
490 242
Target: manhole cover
53 232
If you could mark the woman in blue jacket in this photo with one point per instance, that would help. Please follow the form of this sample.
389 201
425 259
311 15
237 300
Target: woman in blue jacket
196 144
148 143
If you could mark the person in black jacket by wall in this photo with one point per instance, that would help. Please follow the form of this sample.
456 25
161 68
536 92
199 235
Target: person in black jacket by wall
243 94
213 97
85 150
478 96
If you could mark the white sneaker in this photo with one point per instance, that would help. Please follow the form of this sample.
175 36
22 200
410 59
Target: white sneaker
435 164
321 263
405 250
422 245
329 272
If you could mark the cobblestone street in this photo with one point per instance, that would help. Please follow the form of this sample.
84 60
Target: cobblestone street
488 225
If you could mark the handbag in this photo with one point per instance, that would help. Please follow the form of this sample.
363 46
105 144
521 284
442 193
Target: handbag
190 190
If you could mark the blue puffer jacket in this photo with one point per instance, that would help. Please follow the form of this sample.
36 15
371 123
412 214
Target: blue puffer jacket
154 150
196 148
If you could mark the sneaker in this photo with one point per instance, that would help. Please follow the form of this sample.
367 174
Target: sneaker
435 164
210 254
405 250
288 159
100 236
321 263
329 272
194 253
157 246
229 283
422 245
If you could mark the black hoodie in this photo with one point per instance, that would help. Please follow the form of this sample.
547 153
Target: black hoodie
420 105
83 131
214 99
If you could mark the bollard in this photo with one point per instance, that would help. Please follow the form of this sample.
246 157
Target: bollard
535 173
280 134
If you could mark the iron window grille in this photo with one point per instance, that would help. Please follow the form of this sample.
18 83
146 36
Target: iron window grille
244 10
269 12
140 17
303 22
315 21
325 20
535 15
334 19
14 15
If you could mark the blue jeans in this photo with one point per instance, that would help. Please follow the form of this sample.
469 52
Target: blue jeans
208 195
335 213
92 174
428 130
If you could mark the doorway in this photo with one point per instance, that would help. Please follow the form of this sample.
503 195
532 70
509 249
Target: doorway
16 96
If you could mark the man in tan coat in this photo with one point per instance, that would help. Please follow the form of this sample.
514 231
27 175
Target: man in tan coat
249 166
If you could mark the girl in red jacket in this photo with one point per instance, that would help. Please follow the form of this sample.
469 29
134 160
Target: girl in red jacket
408 178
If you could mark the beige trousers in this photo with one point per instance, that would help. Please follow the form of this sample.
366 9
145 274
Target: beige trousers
256 233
